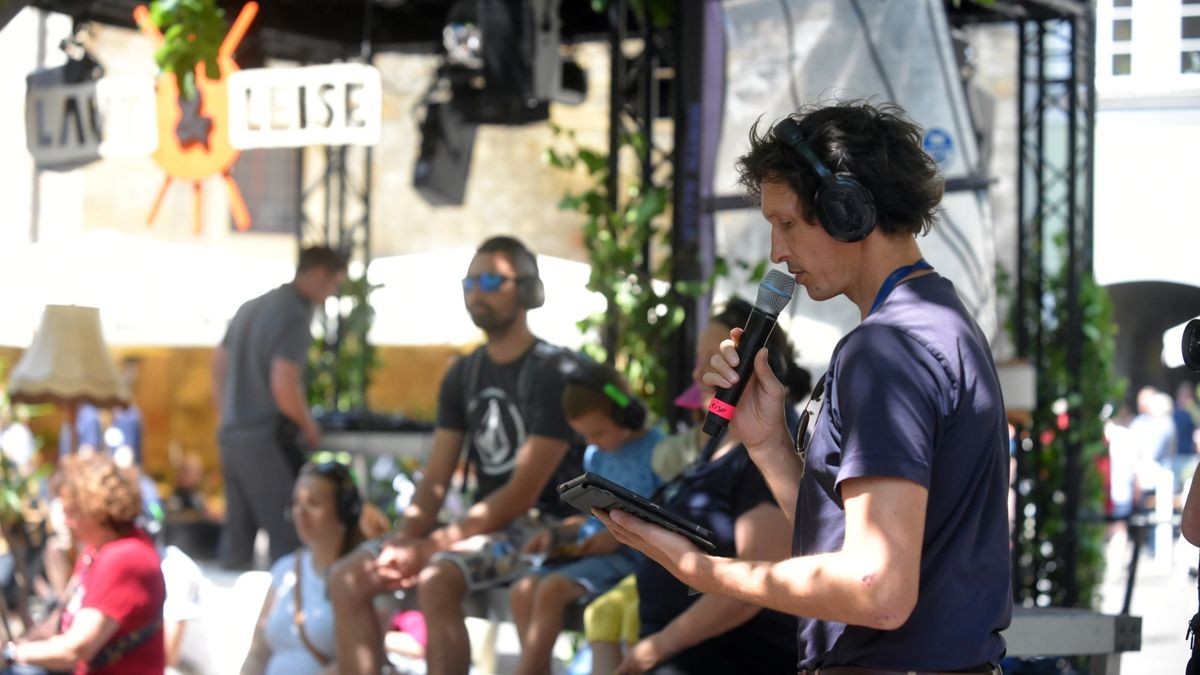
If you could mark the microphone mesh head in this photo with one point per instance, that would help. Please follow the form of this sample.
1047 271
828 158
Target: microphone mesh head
774 292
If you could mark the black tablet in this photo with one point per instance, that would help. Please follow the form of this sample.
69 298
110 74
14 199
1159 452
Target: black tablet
590 491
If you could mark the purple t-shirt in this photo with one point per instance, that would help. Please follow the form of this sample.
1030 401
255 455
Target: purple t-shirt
912 393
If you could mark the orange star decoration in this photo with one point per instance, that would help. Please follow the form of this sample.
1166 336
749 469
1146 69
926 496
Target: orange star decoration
193 135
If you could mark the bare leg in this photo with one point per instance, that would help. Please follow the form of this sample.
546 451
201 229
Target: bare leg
440 593
554 594
352 586
520 600
606 656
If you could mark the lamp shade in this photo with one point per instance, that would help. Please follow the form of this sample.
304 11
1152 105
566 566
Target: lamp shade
68 362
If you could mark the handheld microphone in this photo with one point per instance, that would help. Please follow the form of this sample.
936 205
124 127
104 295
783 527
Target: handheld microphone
773 295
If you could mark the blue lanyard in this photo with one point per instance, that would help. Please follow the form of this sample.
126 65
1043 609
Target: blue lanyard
894 278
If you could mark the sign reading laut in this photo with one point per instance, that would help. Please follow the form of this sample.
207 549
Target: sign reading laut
68 125
335 104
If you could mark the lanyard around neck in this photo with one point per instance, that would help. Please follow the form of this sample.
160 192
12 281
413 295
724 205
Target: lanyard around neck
894 279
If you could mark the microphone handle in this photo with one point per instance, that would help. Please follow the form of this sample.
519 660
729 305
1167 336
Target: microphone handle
724 403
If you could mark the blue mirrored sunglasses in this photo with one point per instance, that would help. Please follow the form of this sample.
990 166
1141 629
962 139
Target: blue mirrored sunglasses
488 282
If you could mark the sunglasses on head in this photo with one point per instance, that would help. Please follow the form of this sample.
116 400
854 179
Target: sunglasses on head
488 282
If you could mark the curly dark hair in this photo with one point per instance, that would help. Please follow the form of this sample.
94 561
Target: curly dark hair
878 144
100 490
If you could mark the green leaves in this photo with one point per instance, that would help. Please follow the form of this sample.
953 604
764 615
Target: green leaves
192 34
630 265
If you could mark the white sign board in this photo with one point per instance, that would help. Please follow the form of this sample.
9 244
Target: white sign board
336 104
68 125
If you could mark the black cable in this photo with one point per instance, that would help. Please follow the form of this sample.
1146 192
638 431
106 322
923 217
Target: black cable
866 30
791 51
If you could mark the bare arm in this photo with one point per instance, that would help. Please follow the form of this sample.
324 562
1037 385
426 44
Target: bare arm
260 653
1191 512
90 630
288 393
537 460
873 581
421 516
756 534
220 370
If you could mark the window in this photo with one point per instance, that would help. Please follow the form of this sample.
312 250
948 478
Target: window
269 179
1125 3
1122 64
1190 63
1191 27
1122 30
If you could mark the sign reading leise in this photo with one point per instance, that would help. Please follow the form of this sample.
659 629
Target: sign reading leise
339 104
335 104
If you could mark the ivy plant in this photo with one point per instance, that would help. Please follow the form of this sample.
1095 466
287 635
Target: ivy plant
338 380
643 310
192 33
1069 415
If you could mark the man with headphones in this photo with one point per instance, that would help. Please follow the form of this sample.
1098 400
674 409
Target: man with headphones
502 406
896 484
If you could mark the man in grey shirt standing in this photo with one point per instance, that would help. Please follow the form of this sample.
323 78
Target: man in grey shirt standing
259 393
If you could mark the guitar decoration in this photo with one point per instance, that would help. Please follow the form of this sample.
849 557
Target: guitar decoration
194 133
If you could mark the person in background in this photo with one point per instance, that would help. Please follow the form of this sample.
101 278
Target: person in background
503 404
602 409
1185 434
111 623
294 635
258 390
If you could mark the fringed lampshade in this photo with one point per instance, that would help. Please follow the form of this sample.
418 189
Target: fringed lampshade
68 363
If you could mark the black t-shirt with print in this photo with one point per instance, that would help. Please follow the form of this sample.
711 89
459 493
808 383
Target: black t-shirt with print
498 406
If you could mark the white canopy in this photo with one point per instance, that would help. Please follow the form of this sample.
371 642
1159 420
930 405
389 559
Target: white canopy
155 292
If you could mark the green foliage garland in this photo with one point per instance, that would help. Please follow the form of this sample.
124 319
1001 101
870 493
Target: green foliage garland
192 33
643 310
1067 416
339 380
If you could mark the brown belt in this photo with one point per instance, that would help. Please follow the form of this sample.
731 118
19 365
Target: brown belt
858 670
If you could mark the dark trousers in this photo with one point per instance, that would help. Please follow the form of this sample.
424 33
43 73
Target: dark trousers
258 495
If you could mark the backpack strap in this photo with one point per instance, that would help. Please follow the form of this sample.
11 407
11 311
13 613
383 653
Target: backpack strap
298 618
471 372
117 648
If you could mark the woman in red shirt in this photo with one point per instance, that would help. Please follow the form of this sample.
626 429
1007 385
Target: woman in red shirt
112 621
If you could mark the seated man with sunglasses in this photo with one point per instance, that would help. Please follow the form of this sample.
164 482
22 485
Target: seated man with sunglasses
503 403
899 524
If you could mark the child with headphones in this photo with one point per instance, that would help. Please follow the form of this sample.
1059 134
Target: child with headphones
599 406
295 630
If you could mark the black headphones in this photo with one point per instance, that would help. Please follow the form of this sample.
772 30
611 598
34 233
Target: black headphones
628 411
844 206
346 496
530 291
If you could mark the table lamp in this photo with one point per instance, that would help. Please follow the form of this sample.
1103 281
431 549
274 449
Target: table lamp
68 364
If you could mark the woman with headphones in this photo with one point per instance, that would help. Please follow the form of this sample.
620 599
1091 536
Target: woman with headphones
294 634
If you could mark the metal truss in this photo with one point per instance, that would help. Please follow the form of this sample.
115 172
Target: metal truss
335 211
1057 122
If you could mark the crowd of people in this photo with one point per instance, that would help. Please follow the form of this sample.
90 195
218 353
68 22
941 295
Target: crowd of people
867 533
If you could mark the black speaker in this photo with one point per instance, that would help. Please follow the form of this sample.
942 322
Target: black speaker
447 139
844 206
